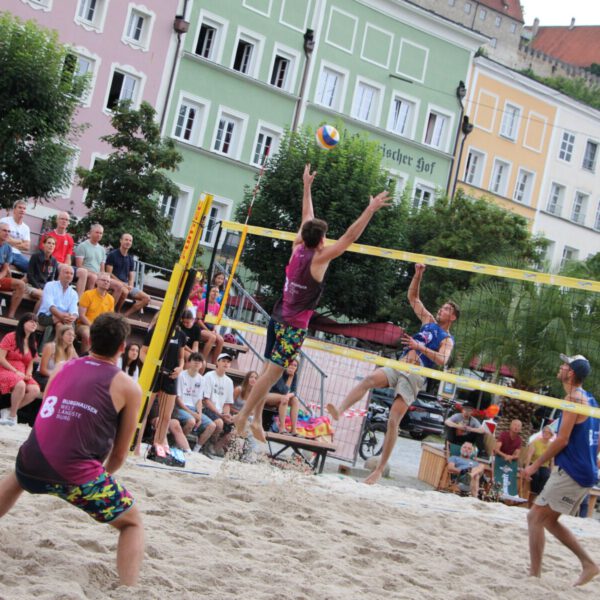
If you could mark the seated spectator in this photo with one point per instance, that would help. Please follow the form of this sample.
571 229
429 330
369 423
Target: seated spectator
54 353
241 392
17 350
59 303
282 395
218 281
213 342
63 252
20 235
91 256
130 361
192 332
469 471
195 296
165 386
507 450
188 409
463 427
8 283
218 399
121 267
537 447
92 304
43 267
174 428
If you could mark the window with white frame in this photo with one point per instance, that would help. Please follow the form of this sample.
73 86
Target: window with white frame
498 21
137 29
282 72
589 156
569 254
493 42
402 116
366 102
524 187
510 121
44 4
468 7
423 196
210 38
267 143
91 13
566 146
65 191
436 131
597 219
218 212
499 180
167 206
399 183
228 136
123 86
579 208
76 66
474 168
245 55
329 88
513 27
556 199
190 120
482 14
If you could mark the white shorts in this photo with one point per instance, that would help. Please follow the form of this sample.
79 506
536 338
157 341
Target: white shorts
406 385
562 493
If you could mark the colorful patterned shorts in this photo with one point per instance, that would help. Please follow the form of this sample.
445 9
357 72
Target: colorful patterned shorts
103 498
283 343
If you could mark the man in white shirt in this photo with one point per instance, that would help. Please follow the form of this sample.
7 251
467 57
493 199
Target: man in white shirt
188 407
20 235
218 399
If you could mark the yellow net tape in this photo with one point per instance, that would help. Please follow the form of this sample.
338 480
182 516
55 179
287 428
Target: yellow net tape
458 380
434 261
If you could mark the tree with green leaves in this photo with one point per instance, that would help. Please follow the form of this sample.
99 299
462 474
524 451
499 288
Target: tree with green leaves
464 229
39 95
124 188
356 284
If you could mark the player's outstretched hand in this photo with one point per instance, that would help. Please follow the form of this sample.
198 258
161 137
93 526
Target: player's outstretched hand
382 199
308 177
419 268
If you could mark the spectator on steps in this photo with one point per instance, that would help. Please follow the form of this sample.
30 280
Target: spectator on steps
8 283
20 235
43 267
56 352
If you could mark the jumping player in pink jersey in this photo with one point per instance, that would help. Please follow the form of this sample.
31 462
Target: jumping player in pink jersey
81 437
303 287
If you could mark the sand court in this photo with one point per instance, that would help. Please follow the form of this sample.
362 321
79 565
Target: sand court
255 531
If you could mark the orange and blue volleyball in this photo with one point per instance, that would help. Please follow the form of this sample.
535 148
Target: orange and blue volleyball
327 137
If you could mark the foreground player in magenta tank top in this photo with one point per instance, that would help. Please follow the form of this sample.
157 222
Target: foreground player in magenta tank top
303 286
81 437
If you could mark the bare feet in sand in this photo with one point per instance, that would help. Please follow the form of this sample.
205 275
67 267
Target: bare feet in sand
258 432
374 477
333 411
587 574
240 426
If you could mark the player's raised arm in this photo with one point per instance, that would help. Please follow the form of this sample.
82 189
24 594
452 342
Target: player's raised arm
352 233
308 212
414 298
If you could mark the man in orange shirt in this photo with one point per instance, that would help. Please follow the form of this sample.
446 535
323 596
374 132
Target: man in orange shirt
91 305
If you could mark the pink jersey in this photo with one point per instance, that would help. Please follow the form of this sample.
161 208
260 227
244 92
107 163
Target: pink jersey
75 427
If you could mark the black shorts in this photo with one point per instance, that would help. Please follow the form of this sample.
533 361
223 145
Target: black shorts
165 384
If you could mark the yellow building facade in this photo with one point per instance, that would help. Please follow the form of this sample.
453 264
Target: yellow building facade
504 157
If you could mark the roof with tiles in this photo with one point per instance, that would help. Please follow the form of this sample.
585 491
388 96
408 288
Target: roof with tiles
578 45
510 8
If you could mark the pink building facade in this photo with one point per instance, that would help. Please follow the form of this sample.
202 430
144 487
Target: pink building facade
128 48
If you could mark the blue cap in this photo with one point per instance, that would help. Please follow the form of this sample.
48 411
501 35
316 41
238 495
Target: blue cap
580 365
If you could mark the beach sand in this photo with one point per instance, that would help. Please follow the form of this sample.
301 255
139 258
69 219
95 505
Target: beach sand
233 530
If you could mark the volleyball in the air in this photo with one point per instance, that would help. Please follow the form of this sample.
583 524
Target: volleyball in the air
327 137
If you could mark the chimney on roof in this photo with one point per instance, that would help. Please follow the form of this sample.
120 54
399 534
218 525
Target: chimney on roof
535 27
572 23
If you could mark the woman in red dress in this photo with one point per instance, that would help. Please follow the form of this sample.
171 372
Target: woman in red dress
17 350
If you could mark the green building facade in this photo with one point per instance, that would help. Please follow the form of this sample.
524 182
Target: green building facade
249 69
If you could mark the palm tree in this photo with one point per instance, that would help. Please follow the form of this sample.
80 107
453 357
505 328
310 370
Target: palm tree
525 326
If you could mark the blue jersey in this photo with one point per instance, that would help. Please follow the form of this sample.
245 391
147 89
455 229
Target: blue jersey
432 335
578 458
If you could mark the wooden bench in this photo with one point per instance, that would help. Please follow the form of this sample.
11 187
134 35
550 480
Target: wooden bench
299 443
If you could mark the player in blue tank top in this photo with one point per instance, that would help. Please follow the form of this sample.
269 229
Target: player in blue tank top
430 347
574 451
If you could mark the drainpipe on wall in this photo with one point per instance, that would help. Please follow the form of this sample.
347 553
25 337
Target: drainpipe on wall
309 46
181 26
466 129
461 92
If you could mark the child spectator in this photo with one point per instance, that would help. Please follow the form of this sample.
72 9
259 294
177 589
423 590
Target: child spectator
241 392
192 332
212 340
17 350
282 395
